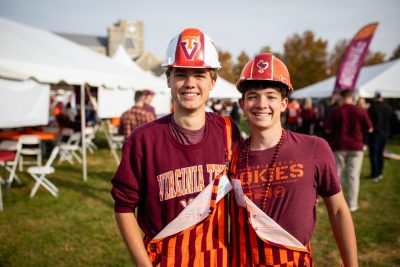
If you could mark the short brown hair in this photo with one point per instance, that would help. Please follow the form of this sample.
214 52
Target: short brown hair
261 84
213 73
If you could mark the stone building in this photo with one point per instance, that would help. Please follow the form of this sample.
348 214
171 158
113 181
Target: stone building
128 33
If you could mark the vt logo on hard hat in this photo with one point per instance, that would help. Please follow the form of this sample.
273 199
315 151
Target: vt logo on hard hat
190 45
262 66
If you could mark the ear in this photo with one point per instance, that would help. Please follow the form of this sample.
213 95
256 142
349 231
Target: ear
241 103
285 102
213 82
169 81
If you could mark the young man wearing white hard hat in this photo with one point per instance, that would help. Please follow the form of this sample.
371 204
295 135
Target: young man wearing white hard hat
173 169
277 175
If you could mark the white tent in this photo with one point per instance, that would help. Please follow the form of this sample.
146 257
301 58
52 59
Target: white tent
27 52
225 90
32 107
384 78
153 82
161 100
30 53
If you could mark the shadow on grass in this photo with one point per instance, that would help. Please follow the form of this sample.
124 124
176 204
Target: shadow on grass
97 187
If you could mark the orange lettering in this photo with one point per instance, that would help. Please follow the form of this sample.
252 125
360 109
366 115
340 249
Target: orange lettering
280 171
201 177
260 175
210 171
161 187
299 170
178 183
171 182
189 181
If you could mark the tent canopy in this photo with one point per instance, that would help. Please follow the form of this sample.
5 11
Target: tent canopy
383 77
224 89
27 52
23 103
154 83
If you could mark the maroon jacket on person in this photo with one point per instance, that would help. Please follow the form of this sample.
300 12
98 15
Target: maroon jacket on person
347 124
160 176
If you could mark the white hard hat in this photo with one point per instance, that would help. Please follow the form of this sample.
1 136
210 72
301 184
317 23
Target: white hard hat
192 49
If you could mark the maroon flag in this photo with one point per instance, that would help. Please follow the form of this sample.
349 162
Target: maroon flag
353 59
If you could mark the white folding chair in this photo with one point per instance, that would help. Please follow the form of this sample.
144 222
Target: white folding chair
69 150
39 174
11 145
31 147
116 139
90 134
12 170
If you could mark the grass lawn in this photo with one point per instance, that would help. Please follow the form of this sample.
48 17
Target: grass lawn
78 228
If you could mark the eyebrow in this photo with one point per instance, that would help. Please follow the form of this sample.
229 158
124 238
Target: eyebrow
199 71
253 91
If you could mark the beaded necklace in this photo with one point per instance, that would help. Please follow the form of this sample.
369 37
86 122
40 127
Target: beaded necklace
271 168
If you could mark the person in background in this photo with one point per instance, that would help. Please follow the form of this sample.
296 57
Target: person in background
277 175
380 114
308 118
361 103
293 115
135 116
177 160
235 113
347 123
148 98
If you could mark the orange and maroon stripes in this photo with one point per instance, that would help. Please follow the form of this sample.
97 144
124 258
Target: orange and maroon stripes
247 249
204 244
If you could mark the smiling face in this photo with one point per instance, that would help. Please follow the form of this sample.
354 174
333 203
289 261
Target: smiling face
263 107
190 89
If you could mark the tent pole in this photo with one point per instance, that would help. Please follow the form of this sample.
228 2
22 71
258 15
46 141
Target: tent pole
104 127
83 132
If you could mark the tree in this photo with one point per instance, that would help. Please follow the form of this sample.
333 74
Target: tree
306 58
336 56
267 49
226 70
396 53
374 58
242 59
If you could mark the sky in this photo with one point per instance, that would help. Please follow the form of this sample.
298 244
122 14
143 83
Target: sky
234 25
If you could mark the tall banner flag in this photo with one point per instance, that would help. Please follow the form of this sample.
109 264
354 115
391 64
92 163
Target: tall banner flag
353 59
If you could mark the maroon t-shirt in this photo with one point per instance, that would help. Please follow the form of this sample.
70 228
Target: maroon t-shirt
160 176
347 123
305 168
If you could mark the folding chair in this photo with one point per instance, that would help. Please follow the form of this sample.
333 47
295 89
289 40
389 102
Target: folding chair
14 146
90 133
31 146
68 150
9 156
116 139
39 174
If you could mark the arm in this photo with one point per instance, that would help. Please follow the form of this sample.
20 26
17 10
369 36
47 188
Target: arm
132 236
343 228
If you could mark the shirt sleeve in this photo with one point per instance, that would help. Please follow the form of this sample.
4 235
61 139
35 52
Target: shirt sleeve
327 179
126 182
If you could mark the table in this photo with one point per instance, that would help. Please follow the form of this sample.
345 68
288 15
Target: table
14 135
43 136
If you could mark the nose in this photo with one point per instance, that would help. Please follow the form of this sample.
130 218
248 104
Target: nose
189 81
262 102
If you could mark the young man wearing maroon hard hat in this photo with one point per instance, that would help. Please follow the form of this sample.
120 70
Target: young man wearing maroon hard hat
277 175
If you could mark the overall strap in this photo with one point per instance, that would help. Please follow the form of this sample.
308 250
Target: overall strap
228 138
228 156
